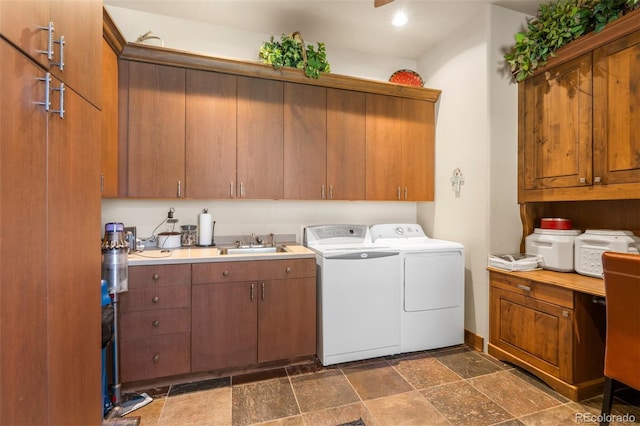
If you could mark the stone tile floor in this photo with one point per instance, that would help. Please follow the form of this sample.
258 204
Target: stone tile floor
451 386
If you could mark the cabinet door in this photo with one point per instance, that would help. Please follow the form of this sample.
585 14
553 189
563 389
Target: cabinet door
73 208
260 153
616 106
80 23
109 160
20 22
305 141
384 147
210 135
287 319
346 145
418 138
223 325
557 148
23 264
156 163
537 332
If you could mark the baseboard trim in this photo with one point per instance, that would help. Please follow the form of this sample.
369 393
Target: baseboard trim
473 340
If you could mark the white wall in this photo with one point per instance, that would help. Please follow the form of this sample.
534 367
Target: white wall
476 131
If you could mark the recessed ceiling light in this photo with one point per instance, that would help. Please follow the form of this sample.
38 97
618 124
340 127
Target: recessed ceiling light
399 19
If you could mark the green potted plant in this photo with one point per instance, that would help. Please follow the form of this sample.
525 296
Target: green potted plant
558 23
291 51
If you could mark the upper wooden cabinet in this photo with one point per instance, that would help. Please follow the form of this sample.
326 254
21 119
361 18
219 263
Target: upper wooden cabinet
211 116
399 149
577 131
557 127
346 145
305 142
260 145
75 57
616 109
156 131
109 158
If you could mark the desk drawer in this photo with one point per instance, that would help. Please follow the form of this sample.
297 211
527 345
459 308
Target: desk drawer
153 323
156 356
155 299
545 292
151 276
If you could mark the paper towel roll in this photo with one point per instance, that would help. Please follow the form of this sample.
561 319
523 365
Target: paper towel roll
205 229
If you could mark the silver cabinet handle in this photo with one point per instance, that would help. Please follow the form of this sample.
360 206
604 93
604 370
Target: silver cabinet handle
331 192
406 193
399 194
253 288
61 90
225 273
288 270
155 300
179 189
230 189
101 182
47 99
60 63
262 291
155 277
583 180
241 190
156 358
524 287
597 179
155 324
49 51
322 192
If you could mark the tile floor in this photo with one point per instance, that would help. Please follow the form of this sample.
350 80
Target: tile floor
451 386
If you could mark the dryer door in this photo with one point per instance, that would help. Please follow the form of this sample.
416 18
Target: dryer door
433 280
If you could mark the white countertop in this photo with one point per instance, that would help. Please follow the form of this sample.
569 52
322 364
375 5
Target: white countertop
212 254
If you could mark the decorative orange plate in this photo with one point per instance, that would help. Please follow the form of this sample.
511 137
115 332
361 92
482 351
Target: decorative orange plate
407 77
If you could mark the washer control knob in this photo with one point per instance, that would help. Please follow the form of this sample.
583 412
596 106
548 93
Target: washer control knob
400 230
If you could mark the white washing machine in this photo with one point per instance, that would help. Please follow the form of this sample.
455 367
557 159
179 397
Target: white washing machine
432 286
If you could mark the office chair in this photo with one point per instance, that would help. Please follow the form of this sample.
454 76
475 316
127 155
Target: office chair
622 351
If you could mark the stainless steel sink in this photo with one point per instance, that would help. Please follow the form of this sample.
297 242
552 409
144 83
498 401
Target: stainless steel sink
252 249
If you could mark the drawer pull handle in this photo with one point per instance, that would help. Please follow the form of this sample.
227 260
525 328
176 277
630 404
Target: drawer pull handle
524 287
155 324
288 270
155 299
155 277
225 273
253 288
156 358
262 292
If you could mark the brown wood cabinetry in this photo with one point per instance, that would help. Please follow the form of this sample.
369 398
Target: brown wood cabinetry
50 190
399 149
251 312
210 135
575 120
305 142
156 130
616 81
346 145
554 332
109 158
76 58
260 146
155 322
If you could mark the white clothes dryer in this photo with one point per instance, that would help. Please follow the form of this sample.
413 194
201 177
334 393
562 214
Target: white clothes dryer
432 286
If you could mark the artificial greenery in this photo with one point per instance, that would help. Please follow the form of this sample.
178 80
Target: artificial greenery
291 51
558 23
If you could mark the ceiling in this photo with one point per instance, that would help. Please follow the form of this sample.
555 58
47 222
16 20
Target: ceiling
354 25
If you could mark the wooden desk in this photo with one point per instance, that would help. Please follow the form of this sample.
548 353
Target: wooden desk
547 323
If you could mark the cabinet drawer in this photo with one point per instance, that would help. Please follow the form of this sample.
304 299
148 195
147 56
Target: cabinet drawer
287 268
224 272
549 293
153 323
155 298
159 275
156 356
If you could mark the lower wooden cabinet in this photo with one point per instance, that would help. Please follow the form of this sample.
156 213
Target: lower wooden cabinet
154 326
244 313
553 332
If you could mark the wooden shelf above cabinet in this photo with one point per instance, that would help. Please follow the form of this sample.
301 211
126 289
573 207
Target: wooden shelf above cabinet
178 58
